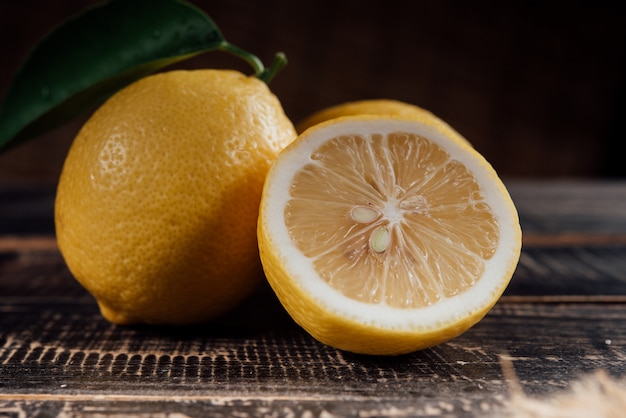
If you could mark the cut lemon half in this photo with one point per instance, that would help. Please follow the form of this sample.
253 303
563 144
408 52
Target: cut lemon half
383 235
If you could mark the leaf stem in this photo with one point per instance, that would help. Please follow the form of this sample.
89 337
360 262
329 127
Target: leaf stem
251 59
279 62
262 73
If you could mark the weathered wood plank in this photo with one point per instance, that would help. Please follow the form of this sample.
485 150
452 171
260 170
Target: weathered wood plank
66 356
549 207
568 206
566 271
59 357
551 271
27 208
243 406
56 351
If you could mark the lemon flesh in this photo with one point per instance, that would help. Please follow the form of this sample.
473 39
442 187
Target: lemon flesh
384 235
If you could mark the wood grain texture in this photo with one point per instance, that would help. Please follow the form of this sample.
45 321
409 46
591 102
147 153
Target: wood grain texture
562 317
56 351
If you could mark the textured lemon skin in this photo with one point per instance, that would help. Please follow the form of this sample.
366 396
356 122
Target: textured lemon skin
158 199
376 107
364 107
328 327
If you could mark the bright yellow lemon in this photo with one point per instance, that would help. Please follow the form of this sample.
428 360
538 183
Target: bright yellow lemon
158 200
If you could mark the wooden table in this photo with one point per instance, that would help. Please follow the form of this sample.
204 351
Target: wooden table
562 317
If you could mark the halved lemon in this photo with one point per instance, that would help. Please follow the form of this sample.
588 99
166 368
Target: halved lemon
383 235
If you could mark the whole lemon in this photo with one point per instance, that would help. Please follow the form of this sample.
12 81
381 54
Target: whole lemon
376 107
158 200
363 107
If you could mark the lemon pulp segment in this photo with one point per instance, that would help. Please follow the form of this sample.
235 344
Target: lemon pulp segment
391 219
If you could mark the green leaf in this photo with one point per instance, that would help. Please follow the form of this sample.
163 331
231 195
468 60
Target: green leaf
91 56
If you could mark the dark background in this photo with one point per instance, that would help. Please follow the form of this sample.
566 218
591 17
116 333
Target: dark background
537 87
